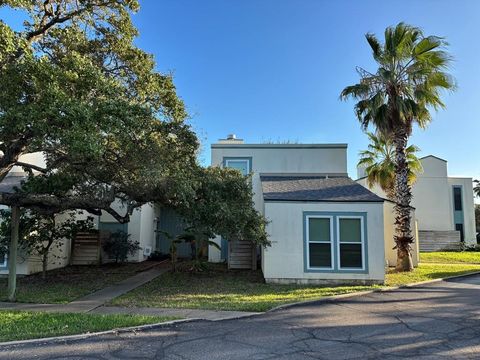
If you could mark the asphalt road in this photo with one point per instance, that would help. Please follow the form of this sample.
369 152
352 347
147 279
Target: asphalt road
435 321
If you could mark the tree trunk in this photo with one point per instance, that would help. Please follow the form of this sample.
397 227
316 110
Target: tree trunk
403 196
12 255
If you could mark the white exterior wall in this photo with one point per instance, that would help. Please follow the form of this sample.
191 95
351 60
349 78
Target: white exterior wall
284 260
433 198
284 159
389 222
468 207
36 158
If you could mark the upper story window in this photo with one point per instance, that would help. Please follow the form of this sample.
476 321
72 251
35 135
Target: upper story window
244 165
457 198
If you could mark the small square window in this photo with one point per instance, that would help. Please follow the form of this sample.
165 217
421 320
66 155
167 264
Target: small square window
242 165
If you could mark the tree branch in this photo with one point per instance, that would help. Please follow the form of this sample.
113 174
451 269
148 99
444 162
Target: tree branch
31 166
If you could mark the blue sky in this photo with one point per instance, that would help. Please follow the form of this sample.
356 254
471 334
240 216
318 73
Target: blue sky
273 69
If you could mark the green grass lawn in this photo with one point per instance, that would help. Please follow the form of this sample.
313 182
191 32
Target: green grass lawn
220 289
429 272
20 325
451 257
67 284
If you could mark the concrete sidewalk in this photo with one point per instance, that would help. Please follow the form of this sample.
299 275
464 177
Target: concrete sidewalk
182 313
101 297
95 303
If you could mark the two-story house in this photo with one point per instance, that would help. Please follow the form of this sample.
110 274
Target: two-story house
324 227
444 205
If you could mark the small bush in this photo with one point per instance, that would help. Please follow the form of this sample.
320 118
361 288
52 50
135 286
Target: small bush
158 256
119 245
471 247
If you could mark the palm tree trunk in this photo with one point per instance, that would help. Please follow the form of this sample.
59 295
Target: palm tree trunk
403 196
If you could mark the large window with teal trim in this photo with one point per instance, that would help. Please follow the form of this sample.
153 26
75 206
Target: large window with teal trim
335 241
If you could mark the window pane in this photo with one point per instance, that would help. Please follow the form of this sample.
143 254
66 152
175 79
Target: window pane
457 198
459 227
350 255
320 255
319 229
241 165
350 230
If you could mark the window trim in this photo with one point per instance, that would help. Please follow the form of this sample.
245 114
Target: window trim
362 241
238 158
336 269
308 242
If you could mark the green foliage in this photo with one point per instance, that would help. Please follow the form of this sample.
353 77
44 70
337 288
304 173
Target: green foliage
109 125
80 91
379 163
119 245
222 204
408 81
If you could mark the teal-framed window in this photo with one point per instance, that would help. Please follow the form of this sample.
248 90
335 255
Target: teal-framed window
335 242
242 164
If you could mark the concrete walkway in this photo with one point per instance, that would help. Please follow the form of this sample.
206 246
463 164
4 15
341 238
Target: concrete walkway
182 313
99 298
95 303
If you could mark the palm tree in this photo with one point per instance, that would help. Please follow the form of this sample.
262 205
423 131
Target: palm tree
476 188
379 164
406 86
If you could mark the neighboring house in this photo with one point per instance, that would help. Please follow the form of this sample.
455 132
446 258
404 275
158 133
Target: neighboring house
142 227
324 227
444 205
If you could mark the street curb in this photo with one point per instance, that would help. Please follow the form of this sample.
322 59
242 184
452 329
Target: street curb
332 298
65 338
134 329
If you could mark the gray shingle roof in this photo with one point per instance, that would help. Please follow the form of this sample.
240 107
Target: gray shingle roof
9 183
315 188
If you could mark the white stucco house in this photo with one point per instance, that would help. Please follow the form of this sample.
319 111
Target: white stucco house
324 227
444 205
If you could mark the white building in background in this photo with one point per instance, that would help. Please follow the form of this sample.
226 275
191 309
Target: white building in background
444 205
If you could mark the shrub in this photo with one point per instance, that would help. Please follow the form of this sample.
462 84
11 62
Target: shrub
119 245
158 256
